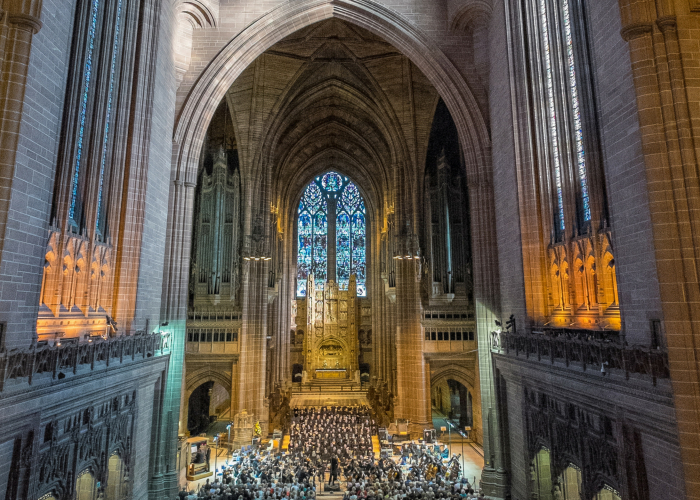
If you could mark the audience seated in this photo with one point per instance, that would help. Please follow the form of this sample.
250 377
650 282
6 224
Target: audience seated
344 431
317 436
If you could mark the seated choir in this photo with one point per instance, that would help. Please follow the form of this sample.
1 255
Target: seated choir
317 436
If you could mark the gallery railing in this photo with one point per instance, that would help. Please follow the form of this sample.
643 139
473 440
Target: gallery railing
588 353
60 361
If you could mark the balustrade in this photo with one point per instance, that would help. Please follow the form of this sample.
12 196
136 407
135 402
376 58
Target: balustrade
58 362
600 354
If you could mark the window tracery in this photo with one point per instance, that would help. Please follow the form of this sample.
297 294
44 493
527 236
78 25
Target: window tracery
331 204
567 163
565 132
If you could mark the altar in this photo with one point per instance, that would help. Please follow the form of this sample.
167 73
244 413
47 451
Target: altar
328 373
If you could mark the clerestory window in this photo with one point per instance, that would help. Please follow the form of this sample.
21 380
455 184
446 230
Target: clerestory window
557 55
331 234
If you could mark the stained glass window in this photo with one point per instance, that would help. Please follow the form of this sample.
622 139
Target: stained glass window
105 140
312 229
562 94
551 108
347 212
332 182
83 105
576 111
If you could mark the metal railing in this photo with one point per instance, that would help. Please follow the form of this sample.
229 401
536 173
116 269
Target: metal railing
585 353
61 361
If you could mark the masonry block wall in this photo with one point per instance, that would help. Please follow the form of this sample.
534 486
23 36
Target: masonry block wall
22 261
643 61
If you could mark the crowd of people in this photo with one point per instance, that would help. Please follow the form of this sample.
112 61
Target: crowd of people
341 431
253 476
331 444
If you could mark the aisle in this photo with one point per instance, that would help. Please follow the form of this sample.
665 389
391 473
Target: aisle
472 454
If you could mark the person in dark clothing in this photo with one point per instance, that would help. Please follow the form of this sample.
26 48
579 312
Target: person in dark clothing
334 470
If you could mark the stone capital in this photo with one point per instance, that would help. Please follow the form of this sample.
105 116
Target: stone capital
24 21
635 30
666 23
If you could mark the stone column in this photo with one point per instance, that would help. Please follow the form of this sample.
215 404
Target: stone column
22 22
487 305
233 409
413 402
253 342
663 86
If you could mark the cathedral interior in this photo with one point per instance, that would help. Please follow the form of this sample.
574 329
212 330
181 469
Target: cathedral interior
477 219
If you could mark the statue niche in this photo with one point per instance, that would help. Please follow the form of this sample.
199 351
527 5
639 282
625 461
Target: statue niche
331 345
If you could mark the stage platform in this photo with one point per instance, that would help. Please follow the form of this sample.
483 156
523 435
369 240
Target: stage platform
328 392
300 400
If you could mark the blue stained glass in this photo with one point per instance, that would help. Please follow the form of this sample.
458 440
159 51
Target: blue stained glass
320 255
305 235
83 106
554 137
351 198
332 182
578 128
313 195
359 258
342 252
350 243
115 49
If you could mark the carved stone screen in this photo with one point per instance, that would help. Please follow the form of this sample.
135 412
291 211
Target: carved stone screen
330 346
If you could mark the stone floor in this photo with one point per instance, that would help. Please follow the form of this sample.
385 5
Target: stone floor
472 454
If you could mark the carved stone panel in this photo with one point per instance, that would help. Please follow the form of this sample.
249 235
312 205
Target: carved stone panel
331 346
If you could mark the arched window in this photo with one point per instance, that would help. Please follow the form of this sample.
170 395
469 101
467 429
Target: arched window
332 234
96 76
557 56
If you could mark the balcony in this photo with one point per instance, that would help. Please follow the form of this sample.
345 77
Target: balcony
449 339
588 353
48 364
212 341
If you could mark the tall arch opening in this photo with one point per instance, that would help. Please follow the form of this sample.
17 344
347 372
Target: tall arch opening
330 126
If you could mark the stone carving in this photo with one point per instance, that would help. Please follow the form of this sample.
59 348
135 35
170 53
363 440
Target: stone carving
586 350
331 342
279 408
85 441
61 361
573 435
381 401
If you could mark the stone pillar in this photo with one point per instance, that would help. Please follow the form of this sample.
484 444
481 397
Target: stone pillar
253 342
22 22
487 305
413 402
233 409
663 83
163 481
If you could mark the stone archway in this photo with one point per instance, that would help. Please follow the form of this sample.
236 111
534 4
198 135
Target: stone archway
228 64
440 377
284 20
196 379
